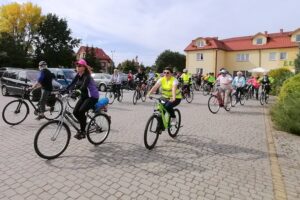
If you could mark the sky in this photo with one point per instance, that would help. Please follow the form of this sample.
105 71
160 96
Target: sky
125 29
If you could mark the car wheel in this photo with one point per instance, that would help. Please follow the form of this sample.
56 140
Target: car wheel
102 88
4 91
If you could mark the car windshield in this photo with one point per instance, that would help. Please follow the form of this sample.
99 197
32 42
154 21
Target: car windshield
69 74
32 75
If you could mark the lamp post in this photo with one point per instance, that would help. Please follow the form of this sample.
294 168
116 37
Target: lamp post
112 59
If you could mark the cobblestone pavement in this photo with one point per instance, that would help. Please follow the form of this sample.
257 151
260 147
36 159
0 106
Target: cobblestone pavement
222 156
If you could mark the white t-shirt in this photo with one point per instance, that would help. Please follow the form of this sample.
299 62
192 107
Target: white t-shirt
225 80
174 83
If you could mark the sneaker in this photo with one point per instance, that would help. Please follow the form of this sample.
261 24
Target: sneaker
173 121
79 135
39 117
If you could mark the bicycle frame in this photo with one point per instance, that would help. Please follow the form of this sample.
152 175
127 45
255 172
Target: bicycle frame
165 116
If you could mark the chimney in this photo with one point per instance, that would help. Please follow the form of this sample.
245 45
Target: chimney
266 32
281 30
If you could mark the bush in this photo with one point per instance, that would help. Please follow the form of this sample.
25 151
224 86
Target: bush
285 113
279 76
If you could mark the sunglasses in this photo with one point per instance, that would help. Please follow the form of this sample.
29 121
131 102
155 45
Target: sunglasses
79 65
167 72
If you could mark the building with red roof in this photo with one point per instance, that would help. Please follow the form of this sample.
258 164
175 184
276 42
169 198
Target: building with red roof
267 50
104 59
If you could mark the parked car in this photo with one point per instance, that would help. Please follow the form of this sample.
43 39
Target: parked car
102 80
63 75
13 81
3 69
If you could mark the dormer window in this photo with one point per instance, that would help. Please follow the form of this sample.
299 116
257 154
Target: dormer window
259 41
200 43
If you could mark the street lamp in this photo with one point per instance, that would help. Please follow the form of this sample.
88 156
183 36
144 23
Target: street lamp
112 60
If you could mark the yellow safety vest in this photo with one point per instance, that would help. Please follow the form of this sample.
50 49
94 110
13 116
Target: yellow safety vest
185 77
166 86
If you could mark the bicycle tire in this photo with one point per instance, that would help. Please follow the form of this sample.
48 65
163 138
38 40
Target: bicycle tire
213 102
262 98
135 97
18 106
143 95
242 99
190 98
96 127
148 144
177 126
234 99
111 97
38 143
58 107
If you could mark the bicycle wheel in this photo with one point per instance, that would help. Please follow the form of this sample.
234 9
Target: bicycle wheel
98 129
143 95
262 98
228 105
152 131
111 96
242 99
52 139
189 97
173 130
120 98
135 97
234 99
266 98
205 90
55 111
15 112
213 104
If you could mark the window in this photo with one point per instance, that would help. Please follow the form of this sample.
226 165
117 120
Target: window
259 41
283 55
297 38
200 43
199 56
272 56
242 57
22 76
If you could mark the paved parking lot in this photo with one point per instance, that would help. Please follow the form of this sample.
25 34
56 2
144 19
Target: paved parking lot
222 156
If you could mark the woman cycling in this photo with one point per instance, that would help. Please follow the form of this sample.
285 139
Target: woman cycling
168 84
85 87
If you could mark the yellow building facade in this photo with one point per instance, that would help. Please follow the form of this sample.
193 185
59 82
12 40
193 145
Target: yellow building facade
269 51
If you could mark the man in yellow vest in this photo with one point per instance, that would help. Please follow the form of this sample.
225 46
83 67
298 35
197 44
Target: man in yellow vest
168 84
186 80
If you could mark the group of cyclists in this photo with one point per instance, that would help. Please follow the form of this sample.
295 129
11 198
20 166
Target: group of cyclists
169 83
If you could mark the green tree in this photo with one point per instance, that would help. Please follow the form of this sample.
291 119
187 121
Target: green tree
92 60
54 43
127 65
172 59
297 63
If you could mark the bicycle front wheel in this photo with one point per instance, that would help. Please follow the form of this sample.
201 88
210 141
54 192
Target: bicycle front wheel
52 139
242 99
189 97
151 132
111 97
55 111
143 95
135 97
234 99
15 112
262 98
213 104
174 129
98 129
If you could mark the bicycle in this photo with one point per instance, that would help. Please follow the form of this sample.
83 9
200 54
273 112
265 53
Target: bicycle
216 101
264 97
187 95
235 98
112 94
206 89
16 111
48 137
158 122
139 93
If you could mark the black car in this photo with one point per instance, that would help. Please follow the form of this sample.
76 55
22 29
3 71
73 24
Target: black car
14 80
63 75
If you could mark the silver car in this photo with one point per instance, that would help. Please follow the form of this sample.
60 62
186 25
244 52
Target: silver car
102 80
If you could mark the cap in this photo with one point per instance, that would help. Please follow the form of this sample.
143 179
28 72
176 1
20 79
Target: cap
81 62
42 63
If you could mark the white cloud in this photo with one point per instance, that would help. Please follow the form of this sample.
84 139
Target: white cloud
147 27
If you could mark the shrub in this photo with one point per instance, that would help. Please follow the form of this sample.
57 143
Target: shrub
286 112
279 76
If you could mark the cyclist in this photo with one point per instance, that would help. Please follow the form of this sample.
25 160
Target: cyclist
239 83
141 78
45 82
116 82
185 78
266 82
211 80
130 79
168 84
225 80
86 88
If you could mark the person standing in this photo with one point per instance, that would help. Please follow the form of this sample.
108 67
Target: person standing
45 83
116 82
